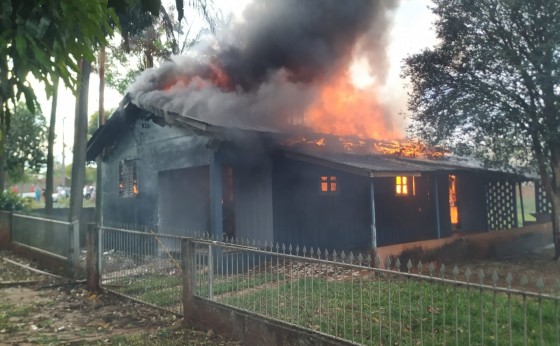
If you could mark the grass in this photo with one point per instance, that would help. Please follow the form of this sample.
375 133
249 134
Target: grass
7 314
372 310
159 290
405 312
235 284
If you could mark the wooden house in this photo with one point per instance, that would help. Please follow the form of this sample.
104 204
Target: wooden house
181 174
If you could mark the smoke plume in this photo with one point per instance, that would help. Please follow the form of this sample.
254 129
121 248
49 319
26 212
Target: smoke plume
271 66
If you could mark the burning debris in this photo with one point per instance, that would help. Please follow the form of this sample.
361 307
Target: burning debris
284 65
355 145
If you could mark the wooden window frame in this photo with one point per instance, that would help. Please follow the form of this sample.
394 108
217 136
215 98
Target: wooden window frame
329 184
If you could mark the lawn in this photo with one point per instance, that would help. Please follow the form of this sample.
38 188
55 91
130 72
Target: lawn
390 311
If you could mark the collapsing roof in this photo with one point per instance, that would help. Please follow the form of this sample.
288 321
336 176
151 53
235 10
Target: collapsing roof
362 162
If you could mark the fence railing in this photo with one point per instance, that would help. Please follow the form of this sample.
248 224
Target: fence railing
353 297
55 238
142 265
360 299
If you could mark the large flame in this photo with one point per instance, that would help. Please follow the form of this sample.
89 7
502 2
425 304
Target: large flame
344 110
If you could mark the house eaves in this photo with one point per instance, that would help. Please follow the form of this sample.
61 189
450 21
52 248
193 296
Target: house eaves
379 165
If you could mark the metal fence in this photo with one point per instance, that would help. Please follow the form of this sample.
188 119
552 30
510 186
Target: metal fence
58 239
359 299
142 265
350 296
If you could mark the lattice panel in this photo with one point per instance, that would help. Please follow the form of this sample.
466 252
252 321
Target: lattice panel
501 205
542 203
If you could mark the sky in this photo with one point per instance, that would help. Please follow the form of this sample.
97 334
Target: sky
411 32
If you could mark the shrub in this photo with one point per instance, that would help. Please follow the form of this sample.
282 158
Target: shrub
12 202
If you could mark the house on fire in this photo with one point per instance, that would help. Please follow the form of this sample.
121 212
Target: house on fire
185 174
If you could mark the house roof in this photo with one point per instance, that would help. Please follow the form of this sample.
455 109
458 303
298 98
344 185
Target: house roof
379 165
364 164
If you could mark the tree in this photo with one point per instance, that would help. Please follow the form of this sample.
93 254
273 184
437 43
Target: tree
26 143
93 122
491 86
45 38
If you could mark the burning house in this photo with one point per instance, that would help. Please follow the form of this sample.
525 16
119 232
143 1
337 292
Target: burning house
266 138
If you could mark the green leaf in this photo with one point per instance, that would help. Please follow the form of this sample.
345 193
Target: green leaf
21 45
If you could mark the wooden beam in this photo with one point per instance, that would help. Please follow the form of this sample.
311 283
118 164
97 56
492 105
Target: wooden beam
436 195
373 222
216 213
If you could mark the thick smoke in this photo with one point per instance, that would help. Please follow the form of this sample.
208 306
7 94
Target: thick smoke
271 65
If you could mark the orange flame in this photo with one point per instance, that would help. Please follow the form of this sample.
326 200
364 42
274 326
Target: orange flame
344 110
215 76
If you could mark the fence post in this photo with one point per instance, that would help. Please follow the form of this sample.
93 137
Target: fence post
93 274
74 244
188 267
210 272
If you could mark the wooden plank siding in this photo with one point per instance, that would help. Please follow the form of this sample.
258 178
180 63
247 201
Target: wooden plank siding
402 219
304 216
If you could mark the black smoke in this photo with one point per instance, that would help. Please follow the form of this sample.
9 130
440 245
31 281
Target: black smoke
275 59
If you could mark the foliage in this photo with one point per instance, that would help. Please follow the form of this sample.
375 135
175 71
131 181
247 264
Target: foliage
93 123
91 174
47 38
146 38
26 143
12 202
491 85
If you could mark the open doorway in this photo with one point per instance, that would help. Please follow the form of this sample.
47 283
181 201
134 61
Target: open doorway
453 208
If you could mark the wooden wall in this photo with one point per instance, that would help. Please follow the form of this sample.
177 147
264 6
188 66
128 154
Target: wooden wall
305 217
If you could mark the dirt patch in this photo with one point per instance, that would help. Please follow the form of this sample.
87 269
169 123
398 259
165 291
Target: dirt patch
61 312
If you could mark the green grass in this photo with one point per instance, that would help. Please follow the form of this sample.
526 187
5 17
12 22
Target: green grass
8 311
159 290
234 284
389 312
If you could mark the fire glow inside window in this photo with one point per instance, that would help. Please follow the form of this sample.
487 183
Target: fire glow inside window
328 184
128 182
401 186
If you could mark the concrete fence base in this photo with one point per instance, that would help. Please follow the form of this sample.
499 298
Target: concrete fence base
251 329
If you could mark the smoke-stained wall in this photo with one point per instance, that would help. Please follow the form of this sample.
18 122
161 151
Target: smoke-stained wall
155 149
401 219
306 217
253 202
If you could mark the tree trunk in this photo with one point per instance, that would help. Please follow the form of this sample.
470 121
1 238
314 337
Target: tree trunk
555 201
553 191
80 141
101 122
101 117
49 186
3 115
552 188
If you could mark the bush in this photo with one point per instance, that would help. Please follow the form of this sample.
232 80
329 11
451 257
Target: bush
12 202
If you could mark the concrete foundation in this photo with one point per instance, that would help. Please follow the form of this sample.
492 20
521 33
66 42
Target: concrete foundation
251 329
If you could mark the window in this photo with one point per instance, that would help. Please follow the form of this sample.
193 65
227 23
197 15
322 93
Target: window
328 184
128 183
401 186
